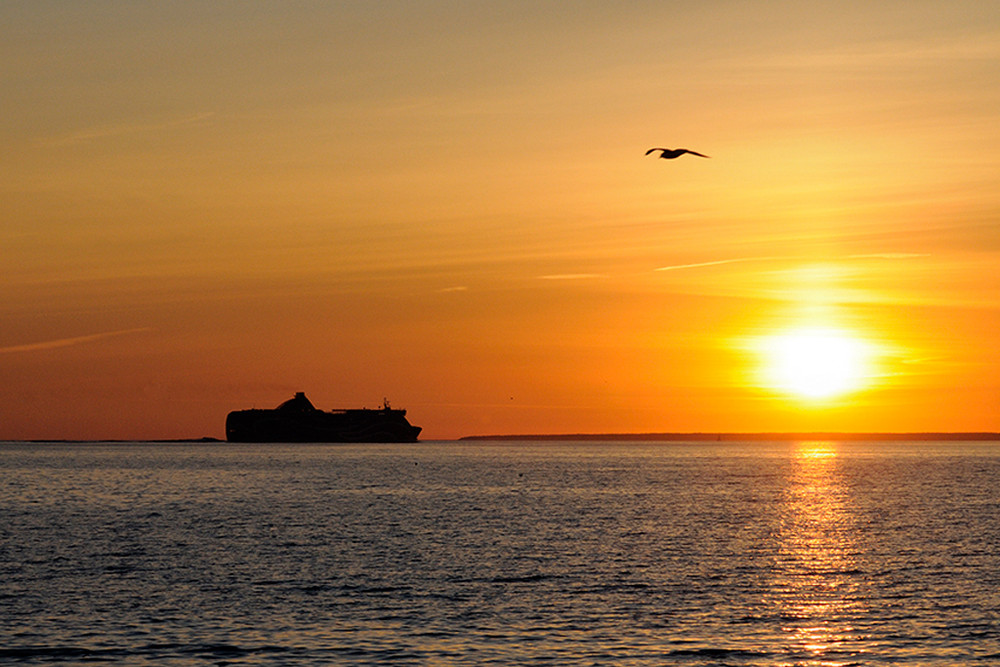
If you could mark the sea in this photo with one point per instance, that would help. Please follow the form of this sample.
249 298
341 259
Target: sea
501 553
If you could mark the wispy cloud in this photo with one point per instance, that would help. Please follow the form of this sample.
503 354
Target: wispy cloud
891 255
718 262
67 342
456 288
103 132
871 55
573 276
740 260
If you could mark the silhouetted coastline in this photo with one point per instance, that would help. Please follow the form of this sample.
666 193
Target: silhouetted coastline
117 441
983 436
751 437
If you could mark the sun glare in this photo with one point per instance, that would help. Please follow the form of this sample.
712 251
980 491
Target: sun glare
816 363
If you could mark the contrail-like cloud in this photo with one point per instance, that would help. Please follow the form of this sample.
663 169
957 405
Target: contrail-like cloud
573 276
718 262
67 342
103 132
891 255
739 260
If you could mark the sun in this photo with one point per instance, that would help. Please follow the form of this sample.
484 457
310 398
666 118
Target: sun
816 363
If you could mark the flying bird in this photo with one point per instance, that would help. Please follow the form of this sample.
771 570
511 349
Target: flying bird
671 153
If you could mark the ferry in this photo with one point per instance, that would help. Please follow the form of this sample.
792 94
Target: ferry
297 420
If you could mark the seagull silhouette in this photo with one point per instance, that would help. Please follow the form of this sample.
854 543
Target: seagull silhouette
671 153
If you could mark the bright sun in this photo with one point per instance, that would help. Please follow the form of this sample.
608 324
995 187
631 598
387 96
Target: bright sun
816 363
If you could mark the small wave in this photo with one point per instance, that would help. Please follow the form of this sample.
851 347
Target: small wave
212 651
718 653
229 650
355 589
61 653
522 579
81 653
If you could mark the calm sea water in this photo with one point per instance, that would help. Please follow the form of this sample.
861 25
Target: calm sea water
811 553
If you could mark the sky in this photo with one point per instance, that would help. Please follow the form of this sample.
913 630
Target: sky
209 206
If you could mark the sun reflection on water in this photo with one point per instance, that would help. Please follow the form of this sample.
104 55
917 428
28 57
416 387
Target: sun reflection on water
815 450
818 586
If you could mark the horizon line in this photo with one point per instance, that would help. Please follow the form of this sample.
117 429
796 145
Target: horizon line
696 436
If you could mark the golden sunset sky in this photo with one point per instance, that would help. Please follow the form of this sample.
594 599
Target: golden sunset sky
209 206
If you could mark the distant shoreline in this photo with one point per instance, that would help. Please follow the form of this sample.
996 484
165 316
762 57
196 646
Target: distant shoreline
978 436
64 441
754 437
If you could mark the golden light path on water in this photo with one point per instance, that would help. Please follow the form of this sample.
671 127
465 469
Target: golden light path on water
818 585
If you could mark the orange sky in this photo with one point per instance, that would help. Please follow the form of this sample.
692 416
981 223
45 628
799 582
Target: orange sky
209 206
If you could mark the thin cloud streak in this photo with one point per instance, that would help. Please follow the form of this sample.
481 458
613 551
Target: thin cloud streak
887 53
737 260
67 342
85 136
891 255
573 276
740 260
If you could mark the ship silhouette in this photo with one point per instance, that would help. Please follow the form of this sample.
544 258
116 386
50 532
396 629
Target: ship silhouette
297 420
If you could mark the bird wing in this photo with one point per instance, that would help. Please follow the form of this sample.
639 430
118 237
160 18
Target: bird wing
694 153
655 149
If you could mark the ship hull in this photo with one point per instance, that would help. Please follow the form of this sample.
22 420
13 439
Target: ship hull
298 421
265 426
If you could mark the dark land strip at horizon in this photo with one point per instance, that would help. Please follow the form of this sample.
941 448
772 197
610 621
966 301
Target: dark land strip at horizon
923 436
